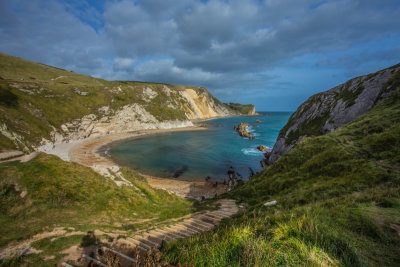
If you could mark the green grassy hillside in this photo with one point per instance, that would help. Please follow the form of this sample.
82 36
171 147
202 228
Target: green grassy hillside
64 194
338 201
35 98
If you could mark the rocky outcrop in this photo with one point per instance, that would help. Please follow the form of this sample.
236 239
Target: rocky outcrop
233 180
329 110
242 130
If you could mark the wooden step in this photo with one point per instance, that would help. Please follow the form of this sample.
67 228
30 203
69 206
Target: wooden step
176 232
212 216
172 234
123 258
204 226
164 236
139 243
134 244
153 238
185 228
95 260
147 241
218 215
180 230
224 213
194 226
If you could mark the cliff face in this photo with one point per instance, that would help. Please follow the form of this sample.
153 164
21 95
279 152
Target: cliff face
42 105
324 112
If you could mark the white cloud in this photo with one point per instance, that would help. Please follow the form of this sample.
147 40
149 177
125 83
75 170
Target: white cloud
225 45
123 63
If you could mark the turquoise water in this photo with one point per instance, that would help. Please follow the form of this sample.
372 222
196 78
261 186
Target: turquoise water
194 155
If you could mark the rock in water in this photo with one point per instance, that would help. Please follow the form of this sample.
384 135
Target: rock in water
262 148
257 120
241 129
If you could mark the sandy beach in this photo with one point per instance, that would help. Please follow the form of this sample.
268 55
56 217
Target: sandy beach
90 152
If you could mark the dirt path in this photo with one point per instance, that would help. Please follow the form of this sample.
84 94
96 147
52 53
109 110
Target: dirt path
127 250
24 158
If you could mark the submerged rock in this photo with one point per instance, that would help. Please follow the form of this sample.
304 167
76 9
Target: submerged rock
180 171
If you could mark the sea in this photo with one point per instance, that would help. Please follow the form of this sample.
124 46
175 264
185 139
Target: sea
202 154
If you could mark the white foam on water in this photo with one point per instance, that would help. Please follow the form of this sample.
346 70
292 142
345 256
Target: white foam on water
249 129
251 151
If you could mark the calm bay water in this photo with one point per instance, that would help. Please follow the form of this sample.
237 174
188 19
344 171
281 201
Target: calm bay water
198 154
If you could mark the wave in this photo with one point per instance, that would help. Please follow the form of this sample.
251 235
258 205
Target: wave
251 151
249 129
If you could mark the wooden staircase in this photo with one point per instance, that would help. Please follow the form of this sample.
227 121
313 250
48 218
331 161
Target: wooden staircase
125 252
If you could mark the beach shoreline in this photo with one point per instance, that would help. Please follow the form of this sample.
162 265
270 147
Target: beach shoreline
90 152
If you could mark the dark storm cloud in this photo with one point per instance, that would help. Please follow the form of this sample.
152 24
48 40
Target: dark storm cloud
232 47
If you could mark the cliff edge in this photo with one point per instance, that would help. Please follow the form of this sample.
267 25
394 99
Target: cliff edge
325 112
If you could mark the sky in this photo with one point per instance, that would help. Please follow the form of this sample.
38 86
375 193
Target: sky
271 53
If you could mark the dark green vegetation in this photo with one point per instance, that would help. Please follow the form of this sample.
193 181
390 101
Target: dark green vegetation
242 109
64 194
338 201
309 128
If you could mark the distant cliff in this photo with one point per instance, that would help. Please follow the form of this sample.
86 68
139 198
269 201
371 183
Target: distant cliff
243 109
42 105
329 110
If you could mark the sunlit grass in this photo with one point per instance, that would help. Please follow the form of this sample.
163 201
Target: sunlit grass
337 195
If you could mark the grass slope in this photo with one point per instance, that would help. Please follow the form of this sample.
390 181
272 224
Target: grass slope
65 194
338 203
242 109
34 98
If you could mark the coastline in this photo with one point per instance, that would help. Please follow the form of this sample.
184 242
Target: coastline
88 152
220 117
